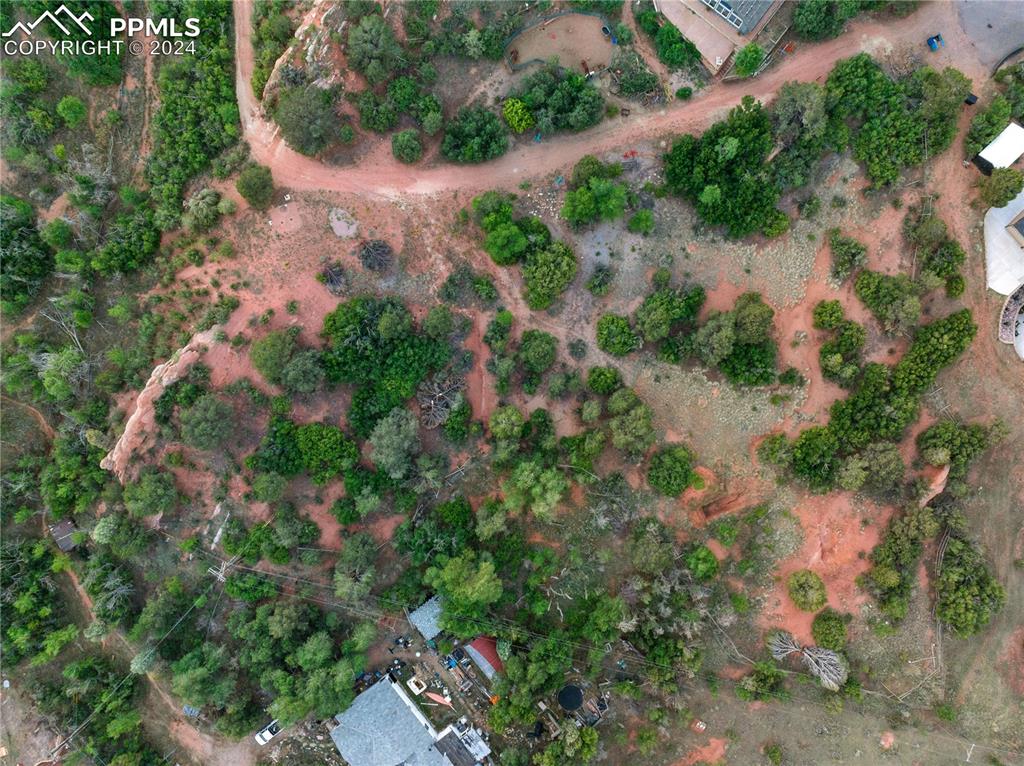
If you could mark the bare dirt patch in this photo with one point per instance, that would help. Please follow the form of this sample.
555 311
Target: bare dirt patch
839 532
572 38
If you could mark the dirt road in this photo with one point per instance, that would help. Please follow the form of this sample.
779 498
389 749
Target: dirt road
378 173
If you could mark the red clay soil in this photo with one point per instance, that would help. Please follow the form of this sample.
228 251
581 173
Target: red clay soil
383 528
480 385
380 174
835 547
711 753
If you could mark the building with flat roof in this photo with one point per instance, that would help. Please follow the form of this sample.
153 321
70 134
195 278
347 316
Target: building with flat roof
384 727
1005 149
1004 246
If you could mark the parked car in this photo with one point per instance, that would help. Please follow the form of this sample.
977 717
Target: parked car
268 732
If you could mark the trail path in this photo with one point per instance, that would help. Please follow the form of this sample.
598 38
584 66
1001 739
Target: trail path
378 173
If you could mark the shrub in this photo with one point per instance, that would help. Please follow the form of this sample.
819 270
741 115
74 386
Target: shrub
671 470
153 493
848 254
517 115
256 185
373 50
307 118
684 93
559 99
603 380
72 111
828 315
615 336
749 59
600 282
806 590
968 594
829 630
998 189
702 563
406 147
547 274
207 423
642 222
271 353
474 135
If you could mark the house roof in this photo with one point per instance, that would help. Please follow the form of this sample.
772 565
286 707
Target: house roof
742 14
452 748
483 650
427 618
1006 148
1004 255
62 533
383 727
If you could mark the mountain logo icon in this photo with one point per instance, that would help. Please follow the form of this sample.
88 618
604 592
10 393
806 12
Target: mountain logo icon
62 18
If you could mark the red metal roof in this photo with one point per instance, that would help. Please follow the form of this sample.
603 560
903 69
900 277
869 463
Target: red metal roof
487 646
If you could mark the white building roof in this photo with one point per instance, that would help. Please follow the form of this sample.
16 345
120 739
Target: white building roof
1006 148
1004 256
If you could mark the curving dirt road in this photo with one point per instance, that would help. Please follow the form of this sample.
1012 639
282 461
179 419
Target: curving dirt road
378 173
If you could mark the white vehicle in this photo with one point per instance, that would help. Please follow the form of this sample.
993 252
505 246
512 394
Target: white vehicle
268 732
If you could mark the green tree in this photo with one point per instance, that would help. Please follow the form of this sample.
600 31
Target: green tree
1000 188
256 185
204 676
517 115
815 457
615 335
325 451
373 50
406 147
547 274
306 115
829 630
303 374
642 222
469 584
534 488
24 260
537 351
152 493
395 439
474 135
671 470
603 380
807 590
506 244
72 111
271 353
207 423
749 59
968 594
987 124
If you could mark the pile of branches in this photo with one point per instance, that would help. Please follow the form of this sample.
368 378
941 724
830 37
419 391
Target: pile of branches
334 278
438 396
375 254
829 667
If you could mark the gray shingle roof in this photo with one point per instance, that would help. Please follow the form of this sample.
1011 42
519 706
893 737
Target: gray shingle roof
382 727
427 617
